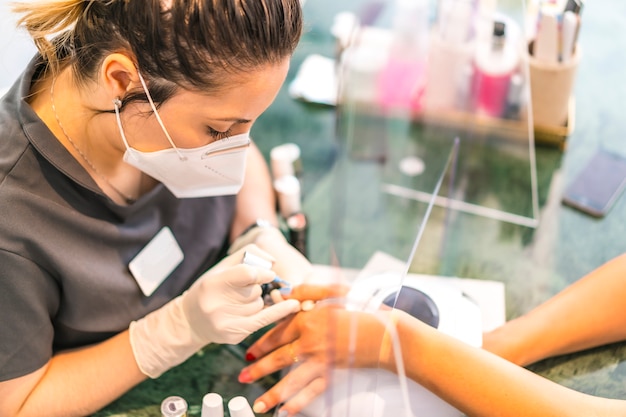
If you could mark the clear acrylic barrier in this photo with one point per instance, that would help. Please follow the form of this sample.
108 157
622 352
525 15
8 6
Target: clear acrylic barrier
433 118
423 73
378 392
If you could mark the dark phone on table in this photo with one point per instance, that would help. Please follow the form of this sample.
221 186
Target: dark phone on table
598 185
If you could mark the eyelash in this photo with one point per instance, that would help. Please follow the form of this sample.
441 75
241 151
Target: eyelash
217 135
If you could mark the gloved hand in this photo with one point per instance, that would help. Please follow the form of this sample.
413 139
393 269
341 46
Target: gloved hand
288 262
223 306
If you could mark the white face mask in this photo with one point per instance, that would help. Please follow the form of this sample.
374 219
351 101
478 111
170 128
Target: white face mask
211 170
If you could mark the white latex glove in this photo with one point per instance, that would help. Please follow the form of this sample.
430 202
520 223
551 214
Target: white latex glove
223 306
288 262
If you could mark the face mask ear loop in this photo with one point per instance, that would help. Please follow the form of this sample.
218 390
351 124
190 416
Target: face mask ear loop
156 114
117 103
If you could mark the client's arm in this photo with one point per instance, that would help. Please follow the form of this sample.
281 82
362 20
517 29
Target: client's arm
589 313
475 381
482 384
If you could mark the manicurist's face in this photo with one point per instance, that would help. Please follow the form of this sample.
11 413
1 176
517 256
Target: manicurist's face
194 119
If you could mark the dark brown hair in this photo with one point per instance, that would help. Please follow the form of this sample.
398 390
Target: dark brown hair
190 44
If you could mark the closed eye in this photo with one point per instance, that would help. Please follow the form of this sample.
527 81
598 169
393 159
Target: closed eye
217 135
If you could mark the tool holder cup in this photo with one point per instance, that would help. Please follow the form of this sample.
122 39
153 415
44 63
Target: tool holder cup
551 89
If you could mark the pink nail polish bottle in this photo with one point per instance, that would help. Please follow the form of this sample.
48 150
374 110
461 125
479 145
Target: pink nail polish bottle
401 82
495 63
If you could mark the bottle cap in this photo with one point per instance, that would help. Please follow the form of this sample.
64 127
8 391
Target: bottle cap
285 160
499 34
239 407
174 407
574 6
212 405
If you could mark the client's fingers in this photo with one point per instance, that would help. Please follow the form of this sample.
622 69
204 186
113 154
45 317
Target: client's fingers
296 382
318 292
302 398
280 358
284 332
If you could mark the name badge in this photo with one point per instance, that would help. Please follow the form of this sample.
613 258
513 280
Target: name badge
156 261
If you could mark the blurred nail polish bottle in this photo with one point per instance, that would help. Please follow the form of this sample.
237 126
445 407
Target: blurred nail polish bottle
495 63
450 54
402 80
298 229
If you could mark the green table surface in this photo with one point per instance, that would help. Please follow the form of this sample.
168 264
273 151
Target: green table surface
534 263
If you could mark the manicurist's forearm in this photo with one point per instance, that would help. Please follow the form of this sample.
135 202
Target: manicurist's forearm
482 384
256 200
74 383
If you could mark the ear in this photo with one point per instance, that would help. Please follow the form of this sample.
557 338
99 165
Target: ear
118 74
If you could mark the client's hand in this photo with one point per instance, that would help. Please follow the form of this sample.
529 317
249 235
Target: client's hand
327 336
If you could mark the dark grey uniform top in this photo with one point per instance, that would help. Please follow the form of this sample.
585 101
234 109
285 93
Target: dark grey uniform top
65 247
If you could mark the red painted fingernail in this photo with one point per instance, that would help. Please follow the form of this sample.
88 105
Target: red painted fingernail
245 377
250 357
